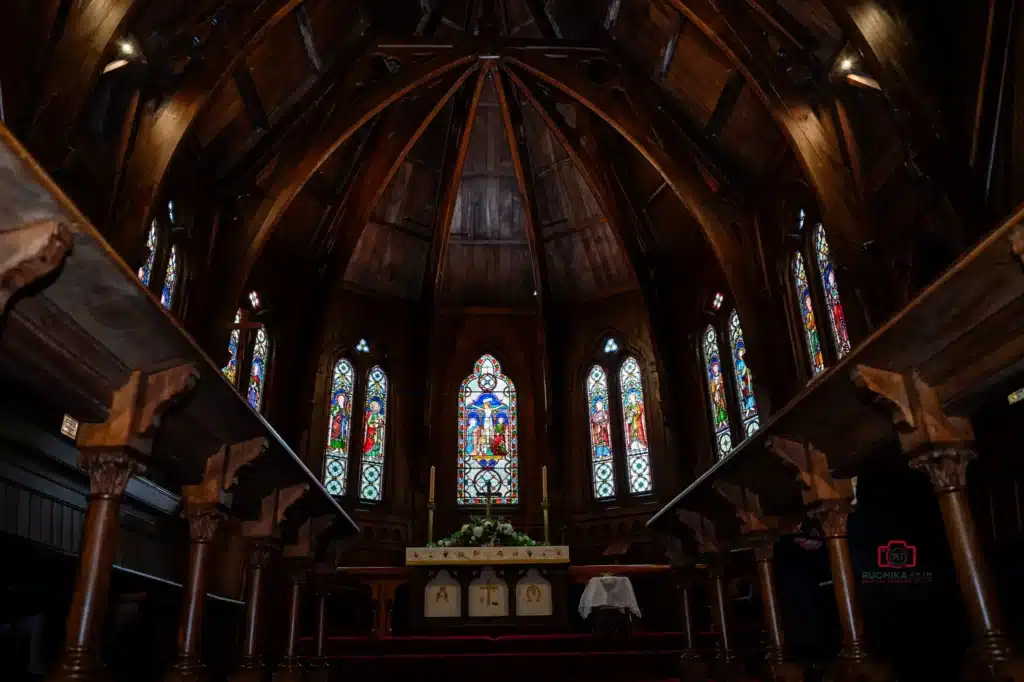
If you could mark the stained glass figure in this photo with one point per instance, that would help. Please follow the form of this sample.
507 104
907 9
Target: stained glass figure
803 297
744 379
716 392
371 467
258 368
362 346
488 436
170 211
600 434
638 458
340 413
170 279
801 217
230 370
828 283
611 345
146 271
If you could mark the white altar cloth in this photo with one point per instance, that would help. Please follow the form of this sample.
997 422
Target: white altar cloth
609 591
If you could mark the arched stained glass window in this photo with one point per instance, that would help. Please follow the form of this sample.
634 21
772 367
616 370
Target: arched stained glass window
488 445
716 392
371 467
600 434
146 271
828 283
744 379
258 368
170 278
638 459
336 455
230 370
803 297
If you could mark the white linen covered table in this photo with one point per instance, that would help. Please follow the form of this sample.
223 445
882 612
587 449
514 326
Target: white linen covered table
609 592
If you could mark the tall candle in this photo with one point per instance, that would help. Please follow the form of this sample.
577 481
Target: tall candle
431 483
544 482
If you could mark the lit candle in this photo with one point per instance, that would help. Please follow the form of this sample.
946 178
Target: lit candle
544 482
431 483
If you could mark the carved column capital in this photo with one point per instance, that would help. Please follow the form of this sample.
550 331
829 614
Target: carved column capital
109 472
946 467
203 522
261 553
716 566
832 515
764 547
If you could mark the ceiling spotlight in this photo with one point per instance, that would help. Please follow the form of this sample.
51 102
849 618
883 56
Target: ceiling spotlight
846 64
126 47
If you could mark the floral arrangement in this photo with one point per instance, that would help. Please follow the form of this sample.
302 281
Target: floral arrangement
485 532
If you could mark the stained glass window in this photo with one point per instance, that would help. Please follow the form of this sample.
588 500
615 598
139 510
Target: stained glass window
170 211
170 278
744 379
600 434
488 445
801 217
146 271
803 298
258 368
362 346
371 468
336 455
828 282
611 345
638 459
716 392
230 370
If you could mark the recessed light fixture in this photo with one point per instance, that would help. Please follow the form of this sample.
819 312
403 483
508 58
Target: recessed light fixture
716 303
126 47
846 64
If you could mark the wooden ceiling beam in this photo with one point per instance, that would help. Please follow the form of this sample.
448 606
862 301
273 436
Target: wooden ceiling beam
302 20
161 130
545 24
725 105
786 26
669 53
515 133
87 41
451 180
251 100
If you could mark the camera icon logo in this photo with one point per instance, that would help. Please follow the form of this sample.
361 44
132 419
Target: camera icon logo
897 554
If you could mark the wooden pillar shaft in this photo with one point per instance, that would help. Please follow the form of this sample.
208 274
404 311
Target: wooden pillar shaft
691 667
251 668
109 474
769 604
718 613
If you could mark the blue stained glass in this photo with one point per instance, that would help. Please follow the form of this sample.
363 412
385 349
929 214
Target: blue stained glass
230 370
146 271
744 378
634 421
170 279
602 466
258 369
371 471
803 299
716 392
828 282
488 436
339 428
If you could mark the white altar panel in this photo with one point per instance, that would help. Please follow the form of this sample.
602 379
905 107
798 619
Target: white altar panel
488 595
533 595
442 597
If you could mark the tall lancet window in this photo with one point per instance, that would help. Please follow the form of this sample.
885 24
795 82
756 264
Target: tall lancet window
152 241
371 466
258 368
170 279
602 463
230 370
339 427
744 379
828 282
716 392
634 423
806 304
488 458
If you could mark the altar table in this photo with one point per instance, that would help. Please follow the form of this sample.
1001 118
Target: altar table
485 588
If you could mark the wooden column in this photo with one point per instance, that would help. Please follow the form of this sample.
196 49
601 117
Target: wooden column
111 453
941 446
205 507
290 670
319 668
830 501
691 667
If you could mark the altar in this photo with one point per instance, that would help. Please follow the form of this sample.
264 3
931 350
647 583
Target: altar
488 588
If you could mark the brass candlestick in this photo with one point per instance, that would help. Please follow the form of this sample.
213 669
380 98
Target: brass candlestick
547 536
430 521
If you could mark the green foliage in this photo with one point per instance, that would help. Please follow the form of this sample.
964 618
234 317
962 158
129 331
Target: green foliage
484 532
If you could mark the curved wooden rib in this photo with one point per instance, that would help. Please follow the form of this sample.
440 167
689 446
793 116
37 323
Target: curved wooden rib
302 163
161 131
89 33
398 139
813 144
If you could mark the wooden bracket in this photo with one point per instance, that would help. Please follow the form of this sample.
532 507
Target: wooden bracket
309 536
812 469
917 411
748 509
703 530
28 252
137 409
1017 242
272 511
221 470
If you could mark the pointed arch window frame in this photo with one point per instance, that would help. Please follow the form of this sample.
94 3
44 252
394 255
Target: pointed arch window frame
244 336
164 261
372 469
609 476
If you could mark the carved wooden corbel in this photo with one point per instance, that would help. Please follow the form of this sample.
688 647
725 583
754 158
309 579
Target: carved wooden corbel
309 538
1017 243
28 252
221 470
272 511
